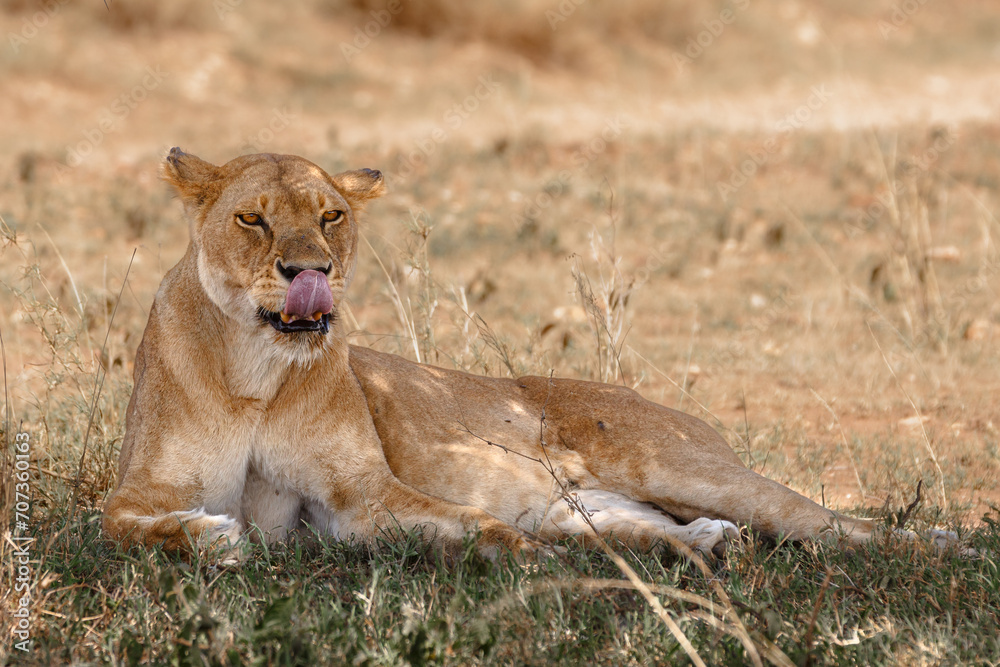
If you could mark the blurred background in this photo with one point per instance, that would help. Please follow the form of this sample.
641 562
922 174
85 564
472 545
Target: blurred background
779 216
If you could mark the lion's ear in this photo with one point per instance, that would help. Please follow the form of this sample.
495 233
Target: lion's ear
360 186
190 176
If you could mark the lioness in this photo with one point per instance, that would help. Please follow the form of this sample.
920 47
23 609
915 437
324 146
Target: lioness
250 407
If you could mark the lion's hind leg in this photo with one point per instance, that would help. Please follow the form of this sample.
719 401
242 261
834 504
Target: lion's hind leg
639 524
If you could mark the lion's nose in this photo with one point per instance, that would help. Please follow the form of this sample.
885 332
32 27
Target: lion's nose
290 271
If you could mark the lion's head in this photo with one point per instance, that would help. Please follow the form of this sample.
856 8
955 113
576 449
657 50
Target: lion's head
276 240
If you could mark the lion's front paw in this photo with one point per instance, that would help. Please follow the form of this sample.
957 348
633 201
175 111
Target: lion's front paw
220 533
711 537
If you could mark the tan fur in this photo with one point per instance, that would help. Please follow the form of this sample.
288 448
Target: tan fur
232 423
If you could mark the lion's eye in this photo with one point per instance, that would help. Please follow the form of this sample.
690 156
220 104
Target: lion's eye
252 219
332 217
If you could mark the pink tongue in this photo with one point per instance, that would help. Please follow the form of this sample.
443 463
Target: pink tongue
309 293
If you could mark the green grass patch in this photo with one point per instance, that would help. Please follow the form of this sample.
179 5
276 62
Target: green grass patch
311 601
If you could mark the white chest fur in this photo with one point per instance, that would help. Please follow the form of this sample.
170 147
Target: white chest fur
254 368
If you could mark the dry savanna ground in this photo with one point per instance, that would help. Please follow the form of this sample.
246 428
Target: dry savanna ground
778 216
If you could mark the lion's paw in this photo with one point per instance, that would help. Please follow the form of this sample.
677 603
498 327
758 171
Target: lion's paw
220 532
711 537
942 539
947 539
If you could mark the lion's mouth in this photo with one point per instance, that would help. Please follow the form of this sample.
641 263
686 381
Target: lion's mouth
284 323
308 305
